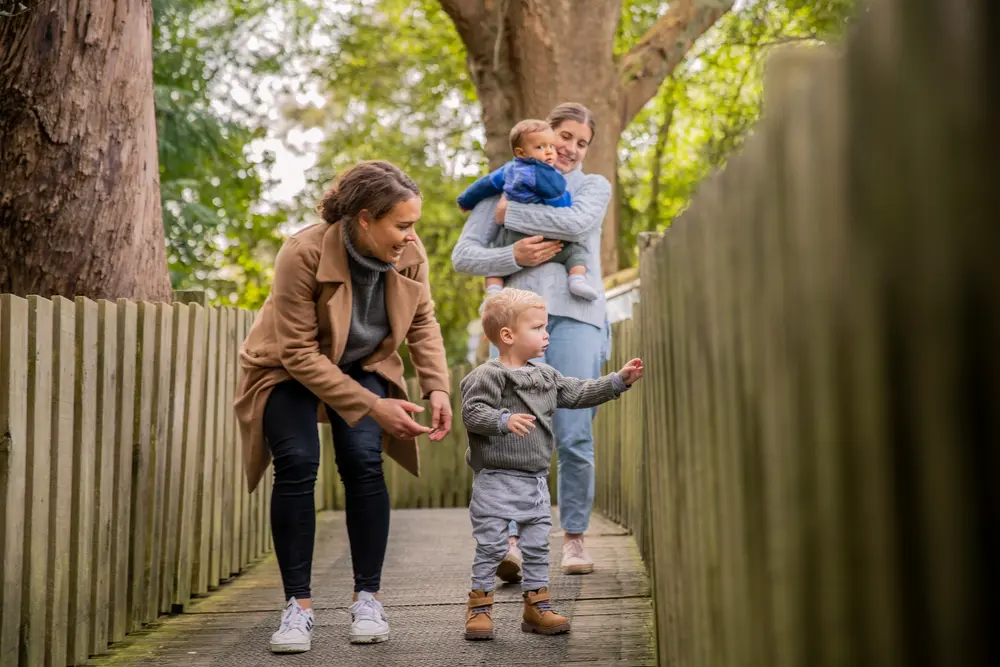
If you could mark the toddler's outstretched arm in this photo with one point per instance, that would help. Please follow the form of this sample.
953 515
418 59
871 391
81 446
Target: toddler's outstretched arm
575 393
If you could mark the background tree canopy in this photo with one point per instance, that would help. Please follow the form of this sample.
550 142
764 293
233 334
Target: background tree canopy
221 235
389 80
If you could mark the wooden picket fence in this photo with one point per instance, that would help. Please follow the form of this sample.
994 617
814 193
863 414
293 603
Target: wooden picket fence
121 488
620 443
810 463
122 492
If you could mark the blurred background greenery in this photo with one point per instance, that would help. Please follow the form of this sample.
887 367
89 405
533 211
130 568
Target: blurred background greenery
259 104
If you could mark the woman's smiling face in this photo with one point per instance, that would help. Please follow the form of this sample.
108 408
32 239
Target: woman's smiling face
385 238
572 141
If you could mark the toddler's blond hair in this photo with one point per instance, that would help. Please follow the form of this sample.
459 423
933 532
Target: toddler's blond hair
505 307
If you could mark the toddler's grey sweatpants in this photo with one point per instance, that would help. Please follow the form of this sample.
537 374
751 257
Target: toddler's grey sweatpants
499 496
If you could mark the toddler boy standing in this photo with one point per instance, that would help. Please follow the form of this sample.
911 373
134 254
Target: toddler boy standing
507 407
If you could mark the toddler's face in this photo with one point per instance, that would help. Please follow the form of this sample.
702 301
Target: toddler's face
530 334
539 145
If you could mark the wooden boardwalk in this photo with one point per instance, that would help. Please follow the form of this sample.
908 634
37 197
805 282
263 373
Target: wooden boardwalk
425 586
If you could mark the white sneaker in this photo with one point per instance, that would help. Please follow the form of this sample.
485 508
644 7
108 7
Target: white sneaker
295 633
369 624
575 558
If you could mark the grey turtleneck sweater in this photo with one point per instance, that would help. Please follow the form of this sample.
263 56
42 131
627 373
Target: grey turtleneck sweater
491 393
369 319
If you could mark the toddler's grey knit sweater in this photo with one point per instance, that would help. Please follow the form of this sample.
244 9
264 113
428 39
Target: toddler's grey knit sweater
492 392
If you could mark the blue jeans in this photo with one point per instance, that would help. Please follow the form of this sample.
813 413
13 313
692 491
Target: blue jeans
576 349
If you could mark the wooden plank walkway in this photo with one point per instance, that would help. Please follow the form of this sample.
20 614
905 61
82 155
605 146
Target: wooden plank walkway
425 585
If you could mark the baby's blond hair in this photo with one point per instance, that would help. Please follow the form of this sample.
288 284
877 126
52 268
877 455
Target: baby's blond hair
505 307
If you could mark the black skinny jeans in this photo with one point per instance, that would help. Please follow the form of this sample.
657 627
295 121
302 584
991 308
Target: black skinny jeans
292 436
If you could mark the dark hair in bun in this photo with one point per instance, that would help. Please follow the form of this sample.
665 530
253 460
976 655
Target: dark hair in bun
375 186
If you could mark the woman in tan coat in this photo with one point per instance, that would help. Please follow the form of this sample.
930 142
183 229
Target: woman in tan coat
346 293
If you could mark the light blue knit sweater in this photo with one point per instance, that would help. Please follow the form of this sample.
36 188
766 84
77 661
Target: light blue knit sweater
580 223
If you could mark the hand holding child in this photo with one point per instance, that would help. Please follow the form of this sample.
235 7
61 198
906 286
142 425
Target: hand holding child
520 424
631 372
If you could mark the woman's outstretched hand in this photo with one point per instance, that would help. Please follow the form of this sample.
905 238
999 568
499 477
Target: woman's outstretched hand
440 415
393 415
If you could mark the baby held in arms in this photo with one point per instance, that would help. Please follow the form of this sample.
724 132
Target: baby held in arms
530 178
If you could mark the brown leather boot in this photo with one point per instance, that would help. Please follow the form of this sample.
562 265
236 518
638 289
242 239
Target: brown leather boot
479 616
539 617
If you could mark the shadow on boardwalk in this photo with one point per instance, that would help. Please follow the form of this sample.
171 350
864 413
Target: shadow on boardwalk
426 583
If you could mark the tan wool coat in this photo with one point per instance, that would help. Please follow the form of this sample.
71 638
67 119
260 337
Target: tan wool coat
301 332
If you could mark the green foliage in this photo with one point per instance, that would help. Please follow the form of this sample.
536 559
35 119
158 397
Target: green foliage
413 105
638 16
388 80
706 109
829 18
219 235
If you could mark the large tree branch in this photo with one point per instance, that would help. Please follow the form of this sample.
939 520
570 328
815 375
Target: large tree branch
662 48
778 41
464 13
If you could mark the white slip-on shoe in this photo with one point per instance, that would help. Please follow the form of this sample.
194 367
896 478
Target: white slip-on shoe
295 633
369 624
575 559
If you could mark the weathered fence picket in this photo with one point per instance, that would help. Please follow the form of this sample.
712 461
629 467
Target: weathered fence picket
13 466
84 446
127 355
37 480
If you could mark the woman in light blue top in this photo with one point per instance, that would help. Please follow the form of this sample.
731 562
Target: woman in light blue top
578 330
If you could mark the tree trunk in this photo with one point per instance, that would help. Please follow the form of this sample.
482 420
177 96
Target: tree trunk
527 56
79 186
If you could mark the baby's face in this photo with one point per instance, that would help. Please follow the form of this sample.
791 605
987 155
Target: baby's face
539 145
531 336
